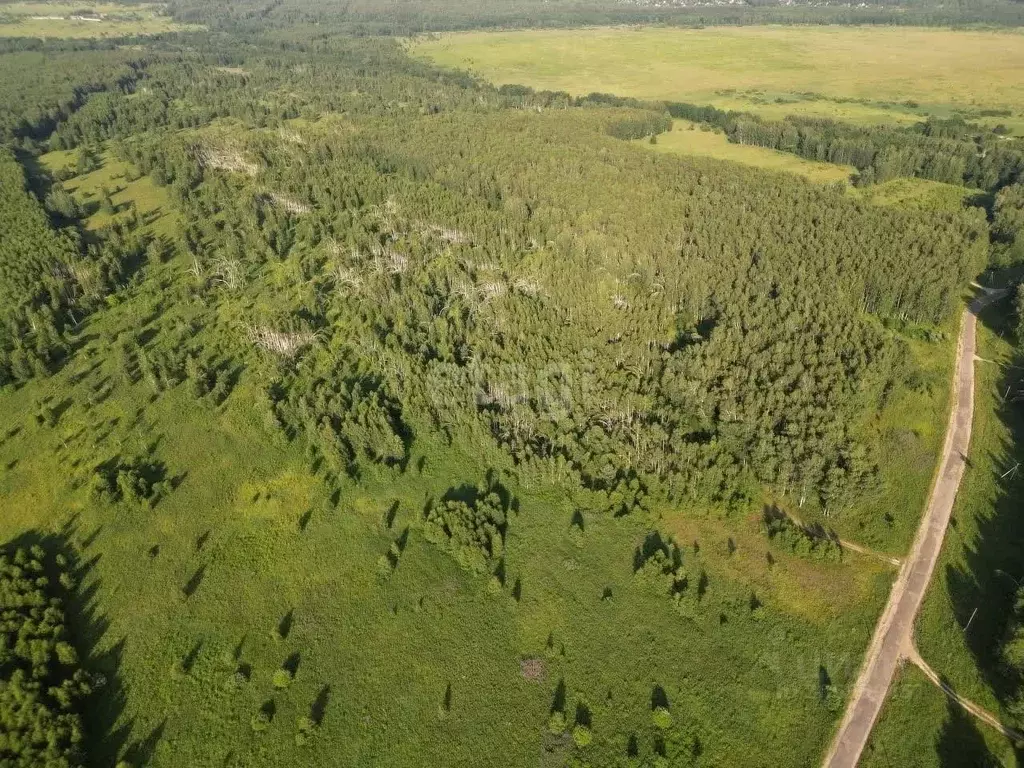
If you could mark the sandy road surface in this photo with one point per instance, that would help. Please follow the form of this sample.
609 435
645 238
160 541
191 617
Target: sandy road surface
893 634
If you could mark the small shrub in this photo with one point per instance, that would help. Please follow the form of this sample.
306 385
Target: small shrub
582 736
178 670
282 679
305 729
384 567
556 723
260 721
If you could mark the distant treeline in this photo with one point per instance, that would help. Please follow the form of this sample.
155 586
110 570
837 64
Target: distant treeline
953 151
373 17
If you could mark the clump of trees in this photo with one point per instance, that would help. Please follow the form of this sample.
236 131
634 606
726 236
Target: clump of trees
1008 226
814 543
136 480
42 682
470 525
659 562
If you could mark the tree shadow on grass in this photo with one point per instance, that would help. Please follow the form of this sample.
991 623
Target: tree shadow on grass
960 743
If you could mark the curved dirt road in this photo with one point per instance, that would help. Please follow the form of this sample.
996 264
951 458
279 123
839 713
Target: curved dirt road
893 634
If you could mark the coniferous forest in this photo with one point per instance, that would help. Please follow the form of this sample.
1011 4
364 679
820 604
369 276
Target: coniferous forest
357 411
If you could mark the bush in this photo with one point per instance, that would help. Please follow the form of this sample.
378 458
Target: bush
282 679
260 721
556 723
582 736
662 718
305 728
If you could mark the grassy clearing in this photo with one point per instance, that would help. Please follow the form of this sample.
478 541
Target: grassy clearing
126 189
867 75
84 21
686 138
920 194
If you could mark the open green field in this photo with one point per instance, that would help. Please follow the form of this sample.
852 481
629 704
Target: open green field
858 74
42 19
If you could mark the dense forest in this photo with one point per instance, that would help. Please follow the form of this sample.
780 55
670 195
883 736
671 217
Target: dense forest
42 685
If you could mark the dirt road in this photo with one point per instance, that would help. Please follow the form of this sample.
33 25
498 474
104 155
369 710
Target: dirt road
979 712
893 634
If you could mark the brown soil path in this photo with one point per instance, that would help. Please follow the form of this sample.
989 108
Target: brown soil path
979 712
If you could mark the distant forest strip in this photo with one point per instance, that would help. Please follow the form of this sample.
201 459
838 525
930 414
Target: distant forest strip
367 17
952 151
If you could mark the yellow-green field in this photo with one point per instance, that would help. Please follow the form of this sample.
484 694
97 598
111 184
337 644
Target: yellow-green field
84 20
687 138
860 74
